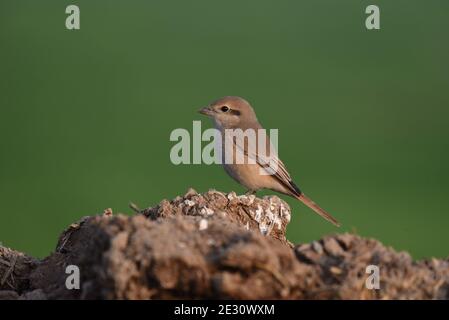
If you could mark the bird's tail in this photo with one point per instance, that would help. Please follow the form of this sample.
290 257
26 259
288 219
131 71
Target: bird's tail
312 205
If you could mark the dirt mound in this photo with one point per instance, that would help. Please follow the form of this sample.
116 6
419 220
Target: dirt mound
216 246
269 215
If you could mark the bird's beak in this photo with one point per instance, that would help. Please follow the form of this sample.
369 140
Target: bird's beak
206 111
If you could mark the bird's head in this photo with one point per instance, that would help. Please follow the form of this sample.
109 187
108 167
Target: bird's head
230 112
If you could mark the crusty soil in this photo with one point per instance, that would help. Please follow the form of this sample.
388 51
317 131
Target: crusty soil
216 246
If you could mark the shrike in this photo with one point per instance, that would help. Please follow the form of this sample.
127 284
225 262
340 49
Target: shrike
256 172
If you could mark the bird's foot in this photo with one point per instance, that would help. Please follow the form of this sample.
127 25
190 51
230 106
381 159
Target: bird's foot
250 192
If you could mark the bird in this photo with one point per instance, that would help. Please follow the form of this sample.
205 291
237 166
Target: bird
233 112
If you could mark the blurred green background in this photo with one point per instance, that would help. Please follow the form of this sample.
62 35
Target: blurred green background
362 115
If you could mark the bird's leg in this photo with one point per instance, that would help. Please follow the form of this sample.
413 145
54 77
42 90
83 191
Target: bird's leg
250 192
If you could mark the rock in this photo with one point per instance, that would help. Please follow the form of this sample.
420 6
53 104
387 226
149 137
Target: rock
269 215
15 268
212 246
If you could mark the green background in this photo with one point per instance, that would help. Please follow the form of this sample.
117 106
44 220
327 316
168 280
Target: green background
362 115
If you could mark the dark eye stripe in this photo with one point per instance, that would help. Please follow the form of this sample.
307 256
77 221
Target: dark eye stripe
235 112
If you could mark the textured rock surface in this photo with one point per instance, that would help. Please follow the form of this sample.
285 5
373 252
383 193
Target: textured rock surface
269 215
15 268
215 246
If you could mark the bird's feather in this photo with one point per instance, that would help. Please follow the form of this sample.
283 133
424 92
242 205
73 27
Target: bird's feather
273 165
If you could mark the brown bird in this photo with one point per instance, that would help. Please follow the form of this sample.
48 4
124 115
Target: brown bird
257 171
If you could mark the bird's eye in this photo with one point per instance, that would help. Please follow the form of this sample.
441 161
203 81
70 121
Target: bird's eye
225 108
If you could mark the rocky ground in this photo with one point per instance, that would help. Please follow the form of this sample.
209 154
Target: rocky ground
214 246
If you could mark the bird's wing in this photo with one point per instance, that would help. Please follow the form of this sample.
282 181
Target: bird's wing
270 162
276 168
